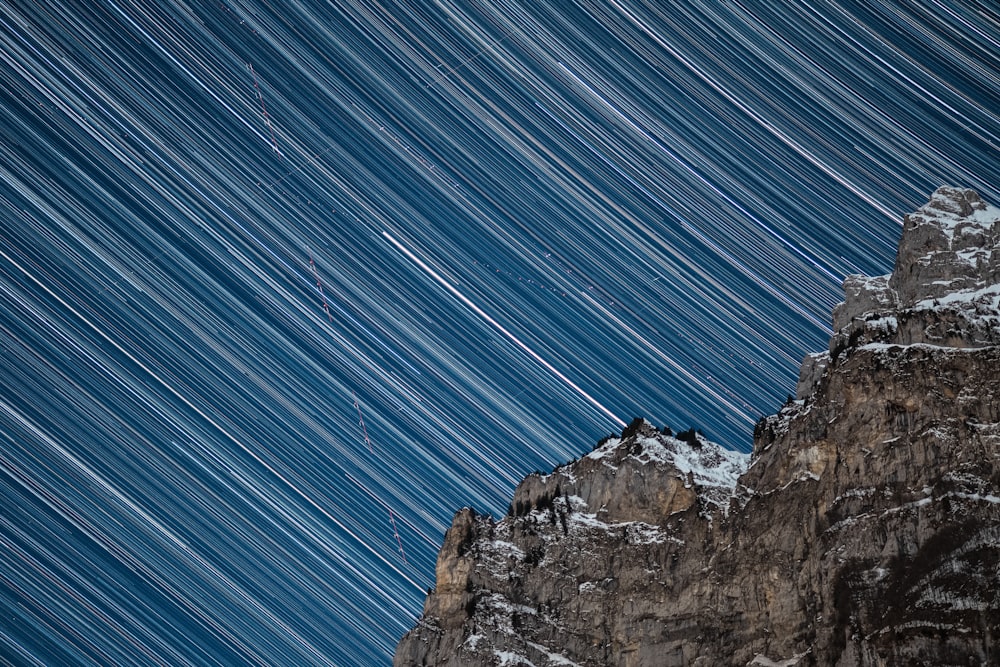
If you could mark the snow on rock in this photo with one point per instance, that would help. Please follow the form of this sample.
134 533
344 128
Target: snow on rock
865 532
511 659
947 247
627 498
864 294
761 660
944 289
643 475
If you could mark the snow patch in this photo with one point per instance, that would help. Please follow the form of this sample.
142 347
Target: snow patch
761 660
511 659
635 532
607 449
553 658
987 296
708 463
644 533
988 498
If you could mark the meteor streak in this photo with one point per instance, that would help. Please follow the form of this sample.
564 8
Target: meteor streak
395 532
392 516
361 423
263 108
319 286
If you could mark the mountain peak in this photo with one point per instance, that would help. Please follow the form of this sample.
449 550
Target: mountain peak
865 530
955 202
642 475
944 289
948 245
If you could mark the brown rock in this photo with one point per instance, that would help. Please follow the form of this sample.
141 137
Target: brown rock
865 531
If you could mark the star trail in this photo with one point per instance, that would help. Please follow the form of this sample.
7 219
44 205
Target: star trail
283 285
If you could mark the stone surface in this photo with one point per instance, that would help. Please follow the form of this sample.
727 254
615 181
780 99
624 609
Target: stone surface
863 530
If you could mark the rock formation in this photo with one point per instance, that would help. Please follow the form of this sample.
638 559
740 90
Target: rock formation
864 529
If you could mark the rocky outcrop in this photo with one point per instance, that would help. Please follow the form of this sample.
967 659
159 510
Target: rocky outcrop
864 529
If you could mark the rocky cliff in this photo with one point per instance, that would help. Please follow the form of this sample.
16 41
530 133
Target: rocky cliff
864 529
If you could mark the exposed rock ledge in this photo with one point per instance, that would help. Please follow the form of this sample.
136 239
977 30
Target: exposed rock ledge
863 530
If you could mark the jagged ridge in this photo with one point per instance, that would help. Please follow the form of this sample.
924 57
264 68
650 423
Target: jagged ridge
865 530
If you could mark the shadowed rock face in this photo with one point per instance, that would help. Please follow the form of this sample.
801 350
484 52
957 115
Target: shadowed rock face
863 530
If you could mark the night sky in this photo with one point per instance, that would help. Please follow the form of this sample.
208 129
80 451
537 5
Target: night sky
284 285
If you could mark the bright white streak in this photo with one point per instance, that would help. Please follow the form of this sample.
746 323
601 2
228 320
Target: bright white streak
499 327
221 429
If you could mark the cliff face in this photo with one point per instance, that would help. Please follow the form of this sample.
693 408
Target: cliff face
863 530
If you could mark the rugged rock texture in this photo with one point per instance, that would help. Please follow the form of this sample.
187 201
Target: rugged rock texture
863 530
